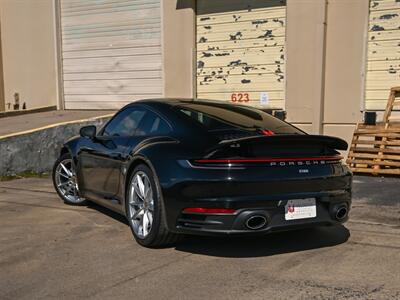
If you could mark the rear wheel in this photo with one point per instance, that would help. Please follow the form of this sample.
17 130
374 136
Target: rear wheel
65 181
145 210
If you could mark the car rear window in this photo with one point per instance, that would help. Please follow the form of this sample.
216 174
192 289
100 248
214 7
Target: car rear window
235 120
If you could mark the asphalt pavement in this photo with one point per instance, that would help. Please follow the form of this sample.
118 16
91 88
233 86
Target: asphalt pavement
49 250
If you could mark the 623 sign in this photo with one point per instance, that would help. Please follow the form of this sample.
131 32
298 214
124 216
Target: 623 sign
240 97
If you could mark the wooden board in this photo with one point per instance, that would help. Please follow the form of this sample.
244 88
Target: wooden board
375 153
375 149
241 49
111 52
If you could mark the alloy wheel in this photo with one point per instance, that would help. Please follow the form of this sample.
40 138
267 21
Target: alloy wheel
65 179
141 204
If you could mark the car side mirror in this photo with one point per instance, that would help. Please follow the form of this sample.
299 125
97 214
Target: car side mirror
88 131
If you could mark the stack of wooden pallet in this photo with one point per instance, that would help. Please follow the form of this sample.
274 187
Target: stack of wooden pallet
375 149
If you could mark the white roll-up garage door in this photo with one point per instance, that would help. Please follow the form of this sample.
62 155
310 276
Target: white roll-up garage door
383 71
111 52
241 51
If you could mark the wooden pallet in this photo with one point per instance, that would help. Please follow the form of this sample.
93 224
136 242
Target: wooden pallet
375 149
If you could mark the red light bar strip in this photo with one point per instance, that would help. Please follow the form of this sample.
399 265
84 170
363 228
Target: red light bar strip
267 132
202 210
254 160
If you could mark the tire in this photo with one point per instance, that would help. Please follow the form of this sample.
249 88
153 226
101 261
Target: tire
151 208
65 182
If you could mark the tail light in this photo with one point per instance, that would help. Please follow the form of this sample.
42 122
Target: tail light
210 211
269 160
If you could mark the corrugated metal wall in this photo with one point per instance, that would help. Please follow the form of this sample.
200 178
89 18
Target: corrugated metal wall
241 51
111 52
383 71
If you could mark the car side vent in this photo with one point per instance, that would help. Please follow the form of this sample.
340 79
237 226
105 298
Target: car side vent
192 221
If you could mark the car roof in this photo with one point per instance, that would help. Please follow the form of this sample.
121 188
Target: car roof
177 101
159 103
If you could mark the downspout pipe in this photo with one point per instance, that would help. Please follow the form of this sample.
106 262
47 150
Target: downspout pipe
318 111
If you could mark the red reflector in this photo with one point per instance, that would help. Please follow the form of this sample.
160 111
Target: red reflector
267 132
265 160
202 210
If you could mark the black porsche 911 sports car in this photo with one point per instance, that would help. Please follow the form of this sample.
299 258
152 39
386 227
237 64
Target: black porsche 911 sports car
182 166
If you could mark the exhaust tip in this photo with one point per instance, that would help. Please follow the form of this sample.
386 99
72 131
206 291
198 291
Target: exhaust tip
256 222
341 213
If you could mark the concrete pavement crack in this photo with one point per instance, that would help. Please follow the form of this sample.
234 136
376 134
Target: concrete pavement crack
26 190
45 206
141 274
373 223
373 245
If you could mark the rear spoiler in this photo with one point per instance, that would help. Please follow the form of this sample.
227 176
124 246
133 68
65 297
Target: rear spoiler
283 139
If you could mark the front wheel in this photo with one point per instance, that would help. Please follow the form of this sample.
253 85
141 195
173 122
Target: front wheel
145 210
65 181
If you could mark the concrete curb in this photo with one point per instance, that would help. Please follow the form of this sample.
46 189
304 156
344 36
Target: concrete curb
36 150
55 125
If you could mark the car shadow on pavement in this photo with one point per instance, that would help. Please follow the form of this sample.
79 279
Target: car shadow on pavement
108 212
256 246
271 244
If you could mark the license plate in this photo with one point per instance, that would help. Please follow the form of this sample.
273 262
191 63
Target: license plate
300 209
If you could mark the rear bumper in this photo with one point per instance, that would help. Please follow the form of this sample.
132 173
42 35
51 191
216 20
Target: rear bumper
272 210
254 191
